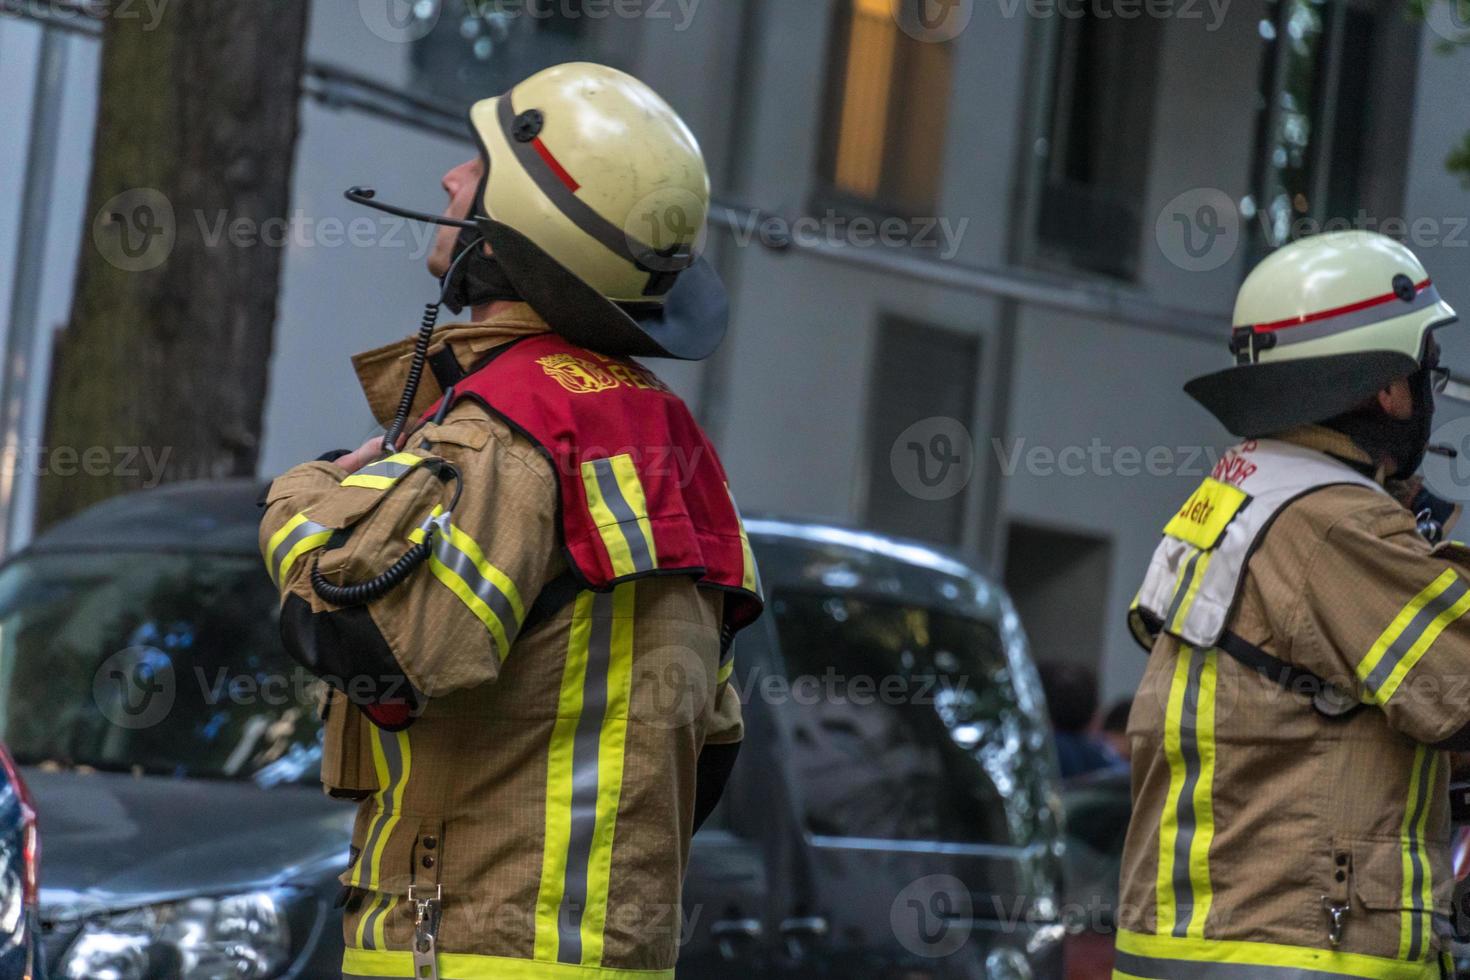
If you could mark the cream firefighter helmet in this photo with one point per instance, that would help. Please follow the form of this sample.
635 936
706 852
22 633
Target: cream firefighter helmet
594 205
1319 326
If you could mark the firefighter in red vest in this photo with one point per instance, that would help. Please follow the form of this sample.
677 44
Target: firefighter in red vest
522 599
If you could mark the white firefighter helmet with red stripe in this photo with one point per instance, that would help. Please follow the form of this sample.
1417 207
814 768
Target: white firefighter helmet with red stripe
1319 326
594 203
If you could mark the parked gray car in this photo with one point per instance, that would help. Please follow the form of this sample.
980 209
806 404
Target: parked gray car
895 813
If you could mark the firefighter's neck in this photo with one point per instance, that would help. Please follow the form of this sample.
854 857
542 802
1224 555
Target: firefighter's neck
485 311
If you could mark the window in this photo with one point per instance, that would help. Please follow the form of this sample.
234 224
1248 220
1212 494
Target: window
888 98
922 403
905 721
1095 173
1316 105
1049 569
480 48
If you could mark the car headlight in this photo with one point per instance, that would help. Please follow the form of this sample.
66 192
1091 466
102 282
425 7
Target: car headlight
239 937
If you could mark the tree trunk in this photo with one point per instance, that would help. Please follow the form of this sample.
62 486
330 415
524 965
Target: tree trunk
161 373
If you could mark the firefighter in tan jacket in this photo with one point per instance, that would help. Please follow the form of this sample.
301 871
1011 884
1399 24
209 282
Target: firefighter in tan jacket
523 604
1309 664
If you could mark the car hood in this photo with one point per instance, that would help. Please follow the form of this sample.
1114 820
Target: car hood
117 841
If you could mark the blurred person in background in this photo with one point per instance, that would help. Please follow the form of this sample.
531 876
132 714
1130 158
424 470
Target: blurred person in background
1115 729
1071 700
477 593
1308 646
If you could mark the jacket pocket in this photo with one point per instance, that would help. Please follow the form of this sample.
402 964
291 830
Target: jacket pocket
1389 875
395 852
347 766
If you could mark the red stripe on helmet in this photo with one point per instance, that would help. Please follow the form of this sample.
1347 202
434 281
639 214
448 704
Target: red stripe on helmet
555 165
1298 321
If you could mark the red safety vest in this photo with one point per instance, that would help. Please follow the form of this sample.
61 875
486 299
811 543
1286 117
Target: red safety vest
642 491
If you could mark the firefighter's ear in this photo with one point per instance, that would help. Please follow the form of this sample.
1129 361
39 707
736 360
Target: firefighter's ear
1396 399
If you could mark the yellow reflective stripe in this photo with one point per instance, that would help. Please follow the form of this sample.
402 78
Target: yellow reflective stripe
612 745
1421 646
1371 664
372 928
389 801
1417 891
1195 581
281 535
470 966
1178 953
384 473
298 536
457 561
1169 819
557 838
616 501
725 671
1204 798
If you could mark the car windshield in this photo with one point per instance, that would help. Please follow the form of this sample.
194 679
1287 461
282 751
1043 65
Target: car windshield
909 719
160 663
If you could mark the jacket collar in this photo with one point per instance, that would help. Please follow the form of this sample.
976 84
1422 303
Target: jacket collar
383 370
1337 445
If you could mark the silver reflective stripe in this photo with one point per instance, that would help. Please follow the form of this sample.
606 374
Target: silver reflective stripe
1411 633
1352 320
612 494
464 566
370 920
1416 855
1186 817
393 755
1152 968
303 531
1183 589
585 750
387 468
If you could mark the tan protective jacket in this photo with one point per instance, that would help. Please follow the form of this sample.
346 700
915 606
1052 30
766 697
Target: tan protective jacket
546 791
1257 820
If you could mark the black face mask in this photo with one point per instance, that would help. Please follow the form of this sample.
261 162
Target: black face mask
1402 440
